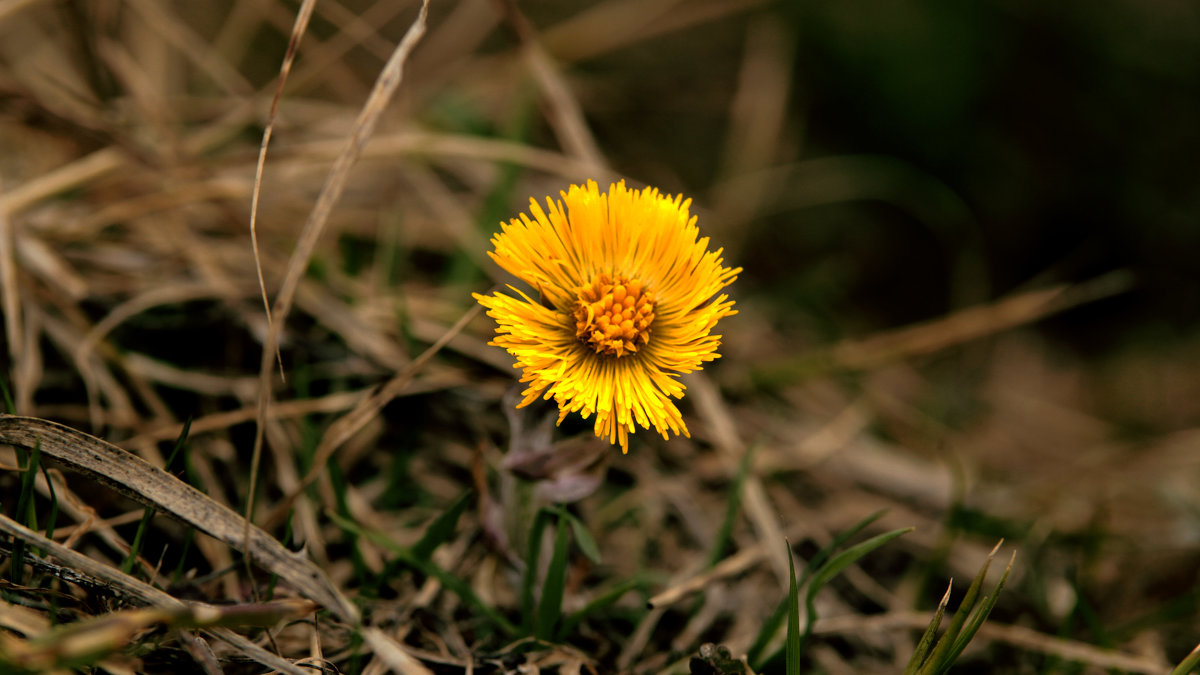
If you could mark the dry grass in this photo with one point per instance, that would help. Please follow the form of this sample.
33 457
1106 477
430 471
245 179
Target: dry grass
142 145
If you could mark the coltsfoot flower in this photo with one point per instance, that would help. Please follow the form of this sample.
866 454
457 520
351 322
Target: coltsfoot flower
627 297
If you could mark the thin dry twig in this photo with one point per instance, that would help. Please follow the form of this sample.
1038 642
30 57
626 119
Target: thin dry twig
385 87
298 31
955 329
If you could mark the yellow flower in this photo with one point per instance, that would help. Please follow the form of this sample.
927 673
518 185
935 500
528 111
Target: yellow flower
627 298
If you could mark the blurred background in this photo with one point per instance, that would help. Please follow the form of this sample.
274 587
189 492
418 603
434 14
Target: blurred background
968 232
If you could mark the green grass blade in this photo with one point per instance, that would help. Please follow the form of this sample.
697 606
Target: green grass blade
442 528
135 549
597 604
835 566
532 555
52 519
1189 663
770 628
25 512
337 480
550 606
793 620
961 642
826 551
180 443
732 508
583 538
9 406
946 643
923 647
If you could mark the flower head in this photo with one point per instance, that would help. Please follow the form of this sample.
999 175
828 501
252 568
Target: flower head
627 299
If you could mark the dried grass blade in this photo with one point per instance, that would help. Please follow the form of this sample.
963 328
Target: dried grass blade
11 300
953 329
385 87
393 654
134 588
137 479
285 68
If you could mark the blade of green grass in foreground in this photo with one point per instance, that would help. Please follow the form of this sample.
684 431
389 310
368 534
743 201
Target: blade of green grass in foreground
9 406
550 606
834 567
532 555
754 655
1189 663
442 528
793 620
927 638
971 614
583 538
52 519
135 549
25 511
979 616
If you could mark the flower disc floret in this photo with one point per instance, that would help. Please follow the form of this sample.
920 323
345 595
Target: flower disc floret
613 316
628 295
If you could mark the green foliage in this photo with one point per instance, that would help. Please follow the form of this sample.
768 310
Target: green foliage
550 606
442 528
25 511
926 642
9 406
819 571
583 538
532 554
52 519
772 624
971 614
835 566
546 622
135 548
793 623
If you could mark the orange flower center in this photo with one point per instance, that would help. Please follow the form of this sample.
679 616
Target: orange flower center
613 315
